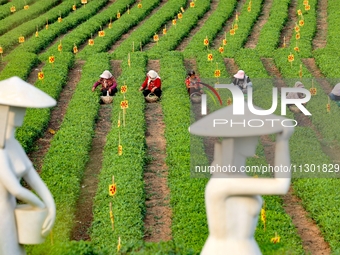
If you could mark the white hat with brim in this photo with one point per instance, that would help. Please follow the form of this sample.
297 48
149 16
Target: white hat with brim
16 92
152 74
239 74
254 125
106 75
299 84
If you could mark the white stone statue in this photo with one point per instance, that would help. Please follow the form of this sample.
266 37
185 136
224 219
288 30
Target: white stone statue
232 198
27 223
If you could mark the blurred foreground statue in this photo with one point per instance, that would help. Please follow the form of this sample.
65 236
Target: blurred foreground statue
31 222
232 197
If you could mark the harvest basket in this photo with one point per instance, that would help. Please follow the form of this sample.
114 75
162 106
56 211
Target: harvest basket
151 98
107 99
29 221
196 97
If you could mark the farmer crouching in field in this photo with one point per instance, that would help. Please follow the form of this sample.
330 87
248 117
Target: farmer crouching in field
152 84
108 84
335 94
242 81
296 95
192 83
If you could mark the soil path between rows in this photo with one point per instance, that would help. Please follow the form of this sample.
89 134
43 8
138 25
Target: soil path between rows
57 113
160 34
61 36
208 142
2 64
137 45
228 24
231 66
254 36
168 25
88 188
33 76
106 26
30 37
317 74
157 221
200 23
320 39
287 31
312 239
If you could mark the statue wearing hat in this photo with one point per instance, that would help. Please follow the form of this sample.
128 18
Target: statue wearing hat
242 81
31 222
108 84
232 198
152 84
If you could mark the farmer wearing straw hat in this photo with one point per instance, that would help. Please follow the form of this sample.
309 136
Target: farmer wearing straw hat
152 84
15 96
192 83
108 83
242 81
296 95
335 94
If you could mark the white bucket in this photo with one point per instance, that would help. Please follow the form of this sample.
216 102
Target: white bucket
29 221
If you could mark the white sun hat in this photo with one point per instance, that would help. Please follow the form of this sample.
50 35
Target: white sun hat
152 74
239 74
106 75
17 92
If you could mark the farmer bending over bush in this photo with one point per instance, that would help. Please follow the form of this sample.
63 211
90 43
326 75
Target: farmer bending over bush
192 83
108 84
151 84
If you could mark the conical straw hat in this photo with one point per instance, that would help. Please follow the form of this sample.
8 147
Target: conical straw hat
16 92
